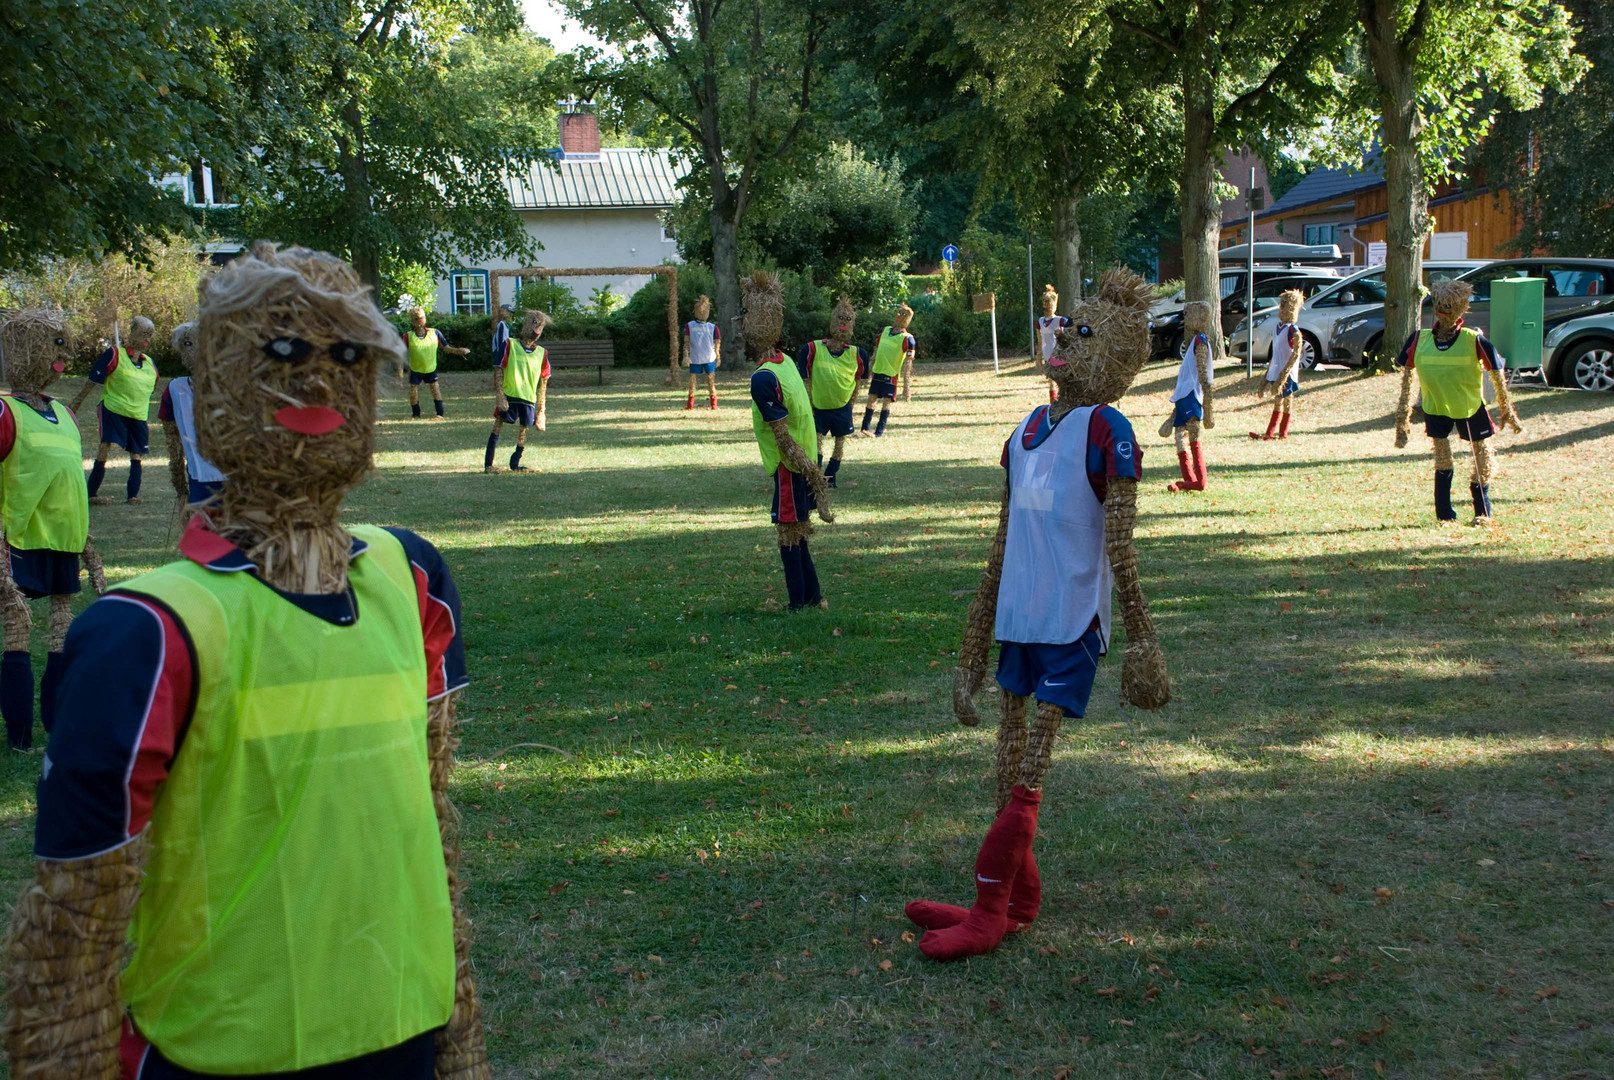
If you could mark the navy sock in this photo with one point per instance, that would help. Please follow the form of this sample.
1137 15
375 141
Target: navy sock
1443 507
868 418
791 557
515 456
438 403
834 467
1482 499
885 418
134 479
17 697
493 444
49 687
809 578
414 407
97 474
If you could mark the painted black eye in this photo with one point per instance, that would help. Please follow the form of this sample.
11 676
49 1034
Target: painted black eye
187 343
1084 330
347 352
288 350
61 342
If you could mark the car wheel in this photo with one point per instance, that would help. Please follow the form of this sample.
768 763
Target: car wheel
1310 352
1370 353
1590 366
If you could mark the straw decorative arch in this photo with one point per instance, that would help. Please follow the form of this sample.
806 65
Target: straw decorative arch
521 274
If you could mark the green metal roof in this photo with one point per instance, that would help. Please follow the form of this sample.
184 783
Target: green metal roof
617 177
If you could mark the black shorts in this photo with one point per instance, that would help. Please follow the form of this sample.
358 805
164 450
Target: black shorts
1473 429
837 422
125 431
792 498
42 572
521 413
412 1060
883 386
418 377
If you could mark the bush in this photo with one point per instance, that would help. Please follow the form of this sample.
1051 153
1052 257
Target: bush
639 327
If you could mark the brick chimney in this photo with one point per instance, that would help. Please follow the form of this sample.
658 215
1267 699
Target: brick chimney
579 131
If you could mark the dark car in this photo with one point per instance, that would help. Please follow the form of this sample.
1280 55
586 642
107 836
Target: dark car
1579 348
1165 331
1573 287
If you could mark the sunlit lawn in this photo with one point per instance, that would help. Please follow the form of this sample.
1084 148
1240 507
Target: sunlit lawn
1391 742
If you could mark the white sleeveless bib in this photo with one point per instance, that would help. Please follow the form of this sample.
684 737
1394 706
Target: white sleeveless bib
1056 572
702 347
1281 353
182 394
1188 375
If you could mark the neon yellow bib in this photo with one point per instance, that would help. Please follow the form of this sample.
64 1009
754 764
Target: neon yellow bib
295 910
128 389
889 353
834 377
42 482
1452 379
523 371
799 423
422 352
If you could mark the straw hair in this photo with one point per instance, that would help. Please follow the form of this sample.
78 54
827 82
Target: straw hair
1050 298
141 329
764 317
1289 302
902 317
1106 344
1196 317
533 322
1451 296
703 307
31 339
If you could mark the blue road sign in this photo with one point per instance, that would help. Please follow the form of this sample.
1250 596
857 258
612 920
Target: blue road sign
950 253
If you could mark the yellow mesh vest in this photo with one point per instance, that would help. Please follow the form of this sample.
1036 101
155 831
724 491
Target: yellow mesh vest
42 482
295 910
834 377
799 422
128 389
1452 379
422 352
522 372
889 353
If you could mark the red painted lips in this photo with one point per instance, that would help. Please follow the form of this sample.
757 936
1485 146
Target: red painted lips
309 419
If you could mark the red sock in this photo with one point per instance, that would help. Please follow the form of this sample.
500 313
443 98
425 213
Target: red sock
1283 428
1199 466
1025 900
996 867
1187 481
714 401
1272 425
690 404
934 915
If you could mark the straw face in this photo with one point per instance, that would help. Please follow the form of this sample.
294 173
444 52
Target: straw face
1050 300
1107 343
1289 302
1451 298
902 317
842 319
703 307
32 342
1196 317
183 340
764 316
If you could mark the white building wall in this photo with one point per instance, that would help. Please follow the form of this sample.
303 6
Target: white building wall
605 237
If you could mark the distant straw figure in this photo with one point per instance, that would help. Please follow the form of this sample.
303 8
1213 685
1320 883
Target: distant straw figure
128 378
1451 362
893 351
46 512
782 420
520 383
1192 399
1048 327
703 350
261 784
1064 540
196 480
833 370
1283 369
424 343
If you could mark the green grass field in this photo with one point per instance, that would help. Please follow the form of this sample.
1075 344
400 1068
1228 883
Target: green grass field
1391 743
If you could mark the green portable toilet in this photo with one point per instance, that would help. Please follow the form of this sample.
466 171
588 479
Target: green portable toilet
1516 310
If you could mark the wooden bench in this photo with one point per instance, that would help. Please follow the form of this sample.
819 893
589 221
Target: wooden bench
595 353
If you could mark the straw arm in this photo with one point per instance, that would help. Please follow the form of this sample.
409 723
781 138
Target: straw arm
93 564
1504 402
176 461
978 625
796 458
1143 675
1403 410
83 393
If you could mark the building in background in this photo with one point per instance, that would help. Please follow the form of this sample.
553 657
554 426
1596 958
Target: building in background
588 206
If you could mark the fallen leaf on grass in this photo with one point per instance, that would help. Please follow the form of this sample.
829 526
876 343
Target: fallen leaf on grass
558 888
1108 991
1547 992
773 1060
907 937
1382 893
885 965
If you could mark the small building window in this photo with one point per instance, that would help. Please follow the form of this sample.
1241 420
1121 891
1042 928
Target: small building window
198 184
469 289
1321 234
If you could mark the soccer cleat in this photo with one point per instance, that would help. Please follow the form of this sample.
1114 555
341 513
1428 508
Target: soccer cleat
1001 857
1199 466
1187 481
1272 426
690 403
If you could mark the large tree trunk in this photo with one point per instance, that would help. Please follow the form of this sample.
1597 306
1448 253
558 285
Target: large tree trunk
1068 249
1394 60
1201 212
726 270
363 251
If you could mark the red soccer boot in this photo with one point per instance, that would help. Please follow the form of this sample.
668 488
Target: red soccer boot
1283 428
714 401
1272 425
1025 900
690 404
1187 483
1199 466
996 868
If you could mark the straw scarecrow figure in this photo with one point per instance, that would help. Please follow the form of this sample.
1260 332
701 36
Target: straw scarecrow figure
1064 539
196 480
1283 370
703 350
893 351
254 746
128 377
782 419
423 343
520 383
1048 327
1451 362
46 512
1192 399
833 369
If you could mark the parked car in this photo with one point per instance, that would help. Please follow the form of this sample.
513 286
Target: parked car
1362 291
1573 286
1165 318
1579 348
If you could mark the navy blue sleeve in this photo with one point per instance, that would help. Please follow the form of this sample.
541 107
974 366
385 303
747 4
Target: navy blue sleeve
442 342
501 338
768 395
439 616
862 363
100 369
1112 448
1490 359
804 359
1405 357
